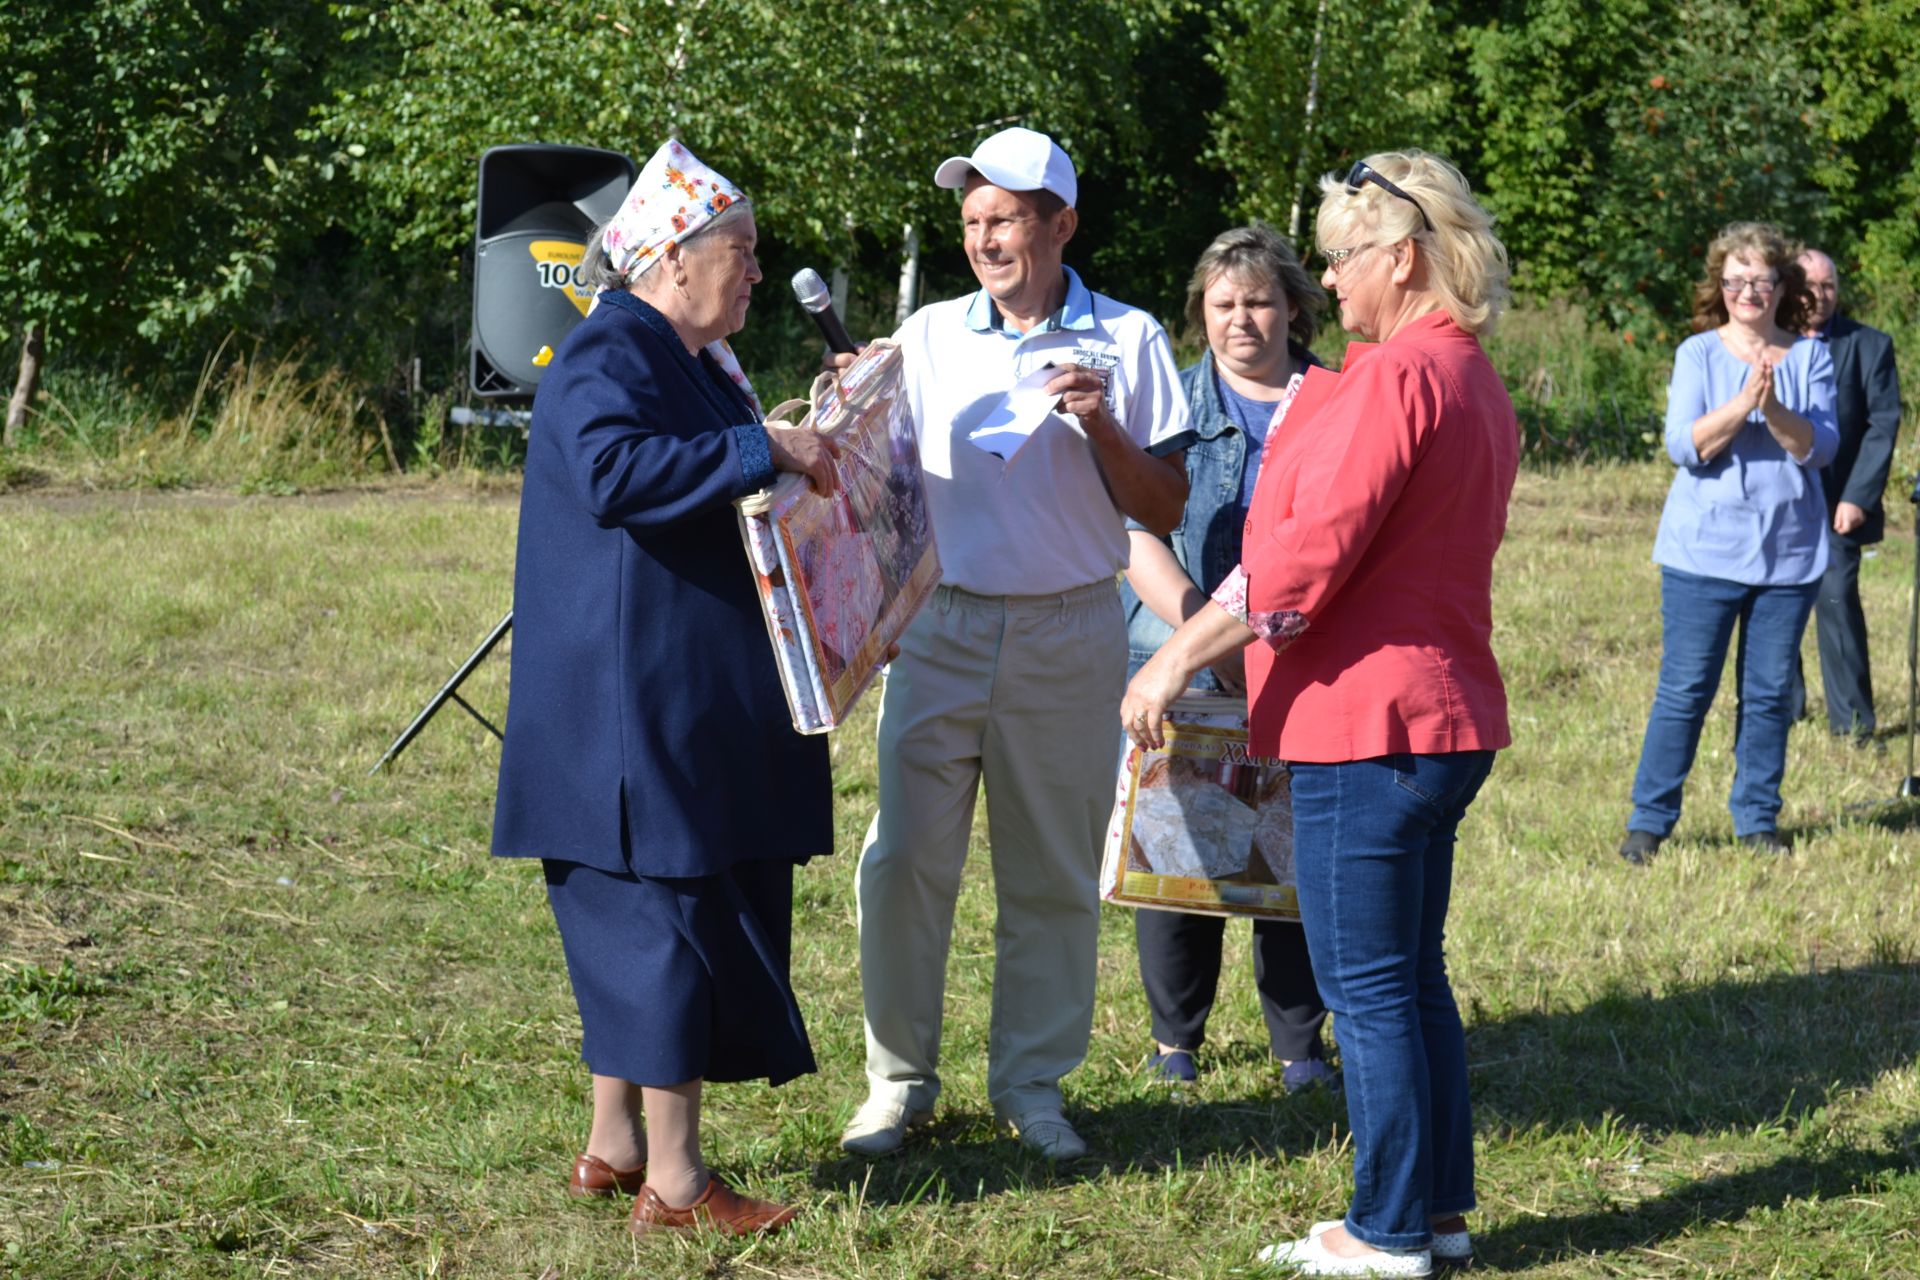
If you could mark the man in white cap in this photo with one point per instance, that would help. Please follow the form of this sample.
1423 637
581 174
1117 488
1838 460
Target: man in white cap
1047 416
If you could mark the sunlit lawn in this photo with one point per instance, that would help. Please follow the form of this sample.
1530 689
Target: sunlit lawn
262 1014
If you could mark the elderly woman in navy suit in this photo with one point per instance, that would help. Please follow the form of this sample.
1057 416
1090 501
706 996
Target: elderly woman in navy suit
649 760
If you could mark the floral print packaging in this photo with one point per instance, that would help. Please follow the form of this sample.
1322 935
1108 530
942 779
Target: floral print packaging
840 578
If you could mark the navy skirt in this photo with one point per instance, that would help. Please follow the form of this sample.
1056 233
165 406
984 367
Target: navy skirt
682 979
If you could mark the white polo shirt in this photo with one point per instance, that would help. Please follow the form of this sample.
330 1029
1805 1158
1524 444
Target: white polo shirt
1042 522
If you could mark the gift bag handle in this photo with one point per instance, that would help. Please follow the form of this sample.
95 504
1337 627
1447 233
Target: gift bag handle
778 416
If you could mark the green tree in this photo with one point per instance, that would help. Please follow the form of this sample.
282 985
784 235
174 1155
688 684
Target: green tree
1867 55
151 176
1543 75
1309 86
821 116
832 123
1724 129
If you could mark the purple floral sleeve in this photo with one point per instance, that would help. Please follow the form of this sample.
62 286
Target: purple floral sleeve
1277 629
1231 594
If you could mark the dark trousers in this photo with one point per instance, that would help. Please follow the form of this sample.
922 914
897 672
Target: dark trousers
1841 625
1180 968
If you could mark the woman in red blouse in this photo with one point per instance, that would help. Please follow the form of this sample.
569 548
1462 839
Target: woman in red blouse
1366 579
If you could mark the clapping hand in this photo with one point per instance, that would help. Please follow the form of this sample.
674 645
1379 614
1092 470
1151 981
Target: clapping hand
1768 404
1757 394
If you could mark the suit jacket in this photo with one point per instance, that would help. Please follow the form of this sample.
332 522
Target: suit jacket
647 729
1867 405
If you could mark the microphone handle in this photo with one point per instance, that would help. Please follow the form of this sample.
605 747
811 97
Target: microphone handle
828 322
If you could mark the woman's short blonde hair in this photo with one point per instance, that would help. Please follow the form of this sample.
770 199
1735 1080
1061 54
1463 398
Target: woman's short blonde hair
1466 262
1767 242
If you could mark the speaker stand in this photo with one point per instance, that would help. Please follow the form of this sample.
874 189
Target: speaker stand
450 692
1910 787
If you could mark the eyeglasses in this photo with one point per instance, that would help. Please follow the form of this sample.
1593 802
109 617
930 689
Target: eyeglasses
1363 173
1338 258
1762 286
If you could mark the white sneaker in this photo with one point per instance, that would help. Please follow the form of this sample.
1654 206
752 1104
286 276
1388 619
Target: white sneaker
1309 1257
1045 1131
1449 1248
880 1127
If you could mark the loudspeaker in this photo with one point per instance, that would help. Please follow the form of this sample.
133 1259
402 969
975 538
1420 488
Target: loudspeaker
538 205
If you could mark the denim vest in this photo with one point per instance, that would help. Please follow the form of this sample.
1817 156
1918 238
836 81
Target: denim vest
1208 536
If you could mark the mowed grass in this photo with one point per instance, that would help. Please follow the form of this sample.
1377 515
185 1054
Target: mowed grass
263 1015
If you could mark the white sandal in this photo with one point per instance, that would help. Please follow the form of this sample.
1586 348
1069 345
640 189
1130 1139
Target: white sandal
1309 1257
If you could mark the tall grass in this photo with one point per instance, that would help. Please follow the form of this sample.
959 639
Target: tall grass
251 421
269 423
1583 393
265 424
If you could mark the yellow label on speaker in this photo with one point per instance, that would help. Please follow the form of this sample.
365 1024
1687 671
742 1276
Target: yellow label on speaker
558 262
543 357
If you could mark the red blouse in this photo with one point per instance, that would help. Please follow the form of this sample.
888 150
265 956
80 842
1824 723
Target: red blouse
1369 554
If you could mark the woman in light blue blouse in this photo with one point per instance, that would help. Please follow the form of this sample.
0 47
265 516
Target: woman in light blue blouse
1742 542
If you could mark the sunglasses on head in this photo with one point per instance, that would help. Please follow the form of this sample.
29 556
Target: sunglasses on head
1363 173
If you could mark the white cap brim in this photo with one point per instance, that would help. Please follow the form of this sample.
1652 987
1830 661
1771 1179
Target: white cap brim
954 172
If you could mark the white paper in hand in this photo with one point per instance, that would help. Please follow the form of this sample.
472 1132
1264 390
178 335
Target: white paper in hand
1017 415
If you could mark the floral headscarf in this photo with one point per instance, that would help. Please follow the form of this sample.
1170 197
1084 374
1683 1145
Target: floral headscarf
674 197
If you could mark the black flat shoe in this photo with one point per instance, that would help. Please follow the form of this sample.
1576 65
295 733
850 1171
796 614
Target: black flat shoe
1175 1066
1640 846
1767 842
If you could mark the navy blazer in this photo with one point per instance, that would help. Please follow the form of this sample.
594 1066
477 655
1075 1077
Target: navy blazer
646 728
1867 406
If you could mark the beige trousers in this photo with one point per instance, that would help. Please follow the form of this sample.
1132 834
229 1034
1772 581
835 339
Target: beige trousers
1023 692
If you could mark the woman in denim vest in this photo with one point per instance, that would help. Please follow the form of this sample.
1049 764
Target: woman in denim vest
1258 309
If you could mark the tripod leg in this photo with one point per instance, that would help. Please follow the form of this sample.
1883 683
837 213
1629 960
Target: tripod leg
1911 786
485 723
448 692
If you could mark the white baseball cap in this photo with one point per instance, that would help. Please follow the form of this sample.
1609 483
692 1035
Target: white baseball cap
1017 160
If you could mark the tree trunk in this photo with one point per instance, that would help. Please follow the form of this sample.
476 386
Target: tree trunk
909 296
1306 130
32 352
838 289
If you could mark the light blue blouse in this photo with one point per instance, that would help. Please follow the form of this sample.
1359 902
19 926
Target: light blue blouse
1754 514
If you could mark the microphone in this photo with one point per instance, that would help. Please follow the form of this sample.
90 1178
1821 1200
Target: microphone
811 290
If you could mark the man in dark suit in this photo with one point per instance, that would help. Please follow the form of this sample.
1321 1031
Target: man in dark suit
1867 405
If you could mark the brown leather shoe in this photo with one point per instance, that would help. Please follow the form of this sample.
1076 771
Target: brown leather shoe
593 1176
719 1208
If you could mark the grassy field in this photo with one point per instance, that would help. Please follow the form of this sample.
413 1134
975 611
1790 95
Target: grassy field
261 1014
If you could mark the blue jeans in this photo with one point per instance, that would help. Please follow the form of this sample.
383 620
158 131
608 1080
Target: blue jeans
1697 618
1373 856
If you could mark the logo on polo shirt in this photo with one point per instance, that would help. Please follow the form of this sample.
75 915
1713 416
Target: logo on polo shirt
1103 363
